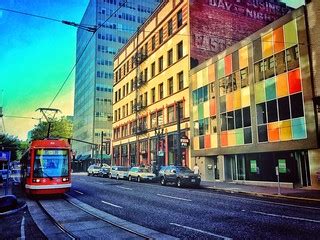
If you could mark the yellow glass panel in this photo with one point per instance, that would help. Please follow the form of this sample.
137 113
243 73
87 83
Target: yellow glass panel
205 76
267 45
285 130
282 85
229 102
214 140
194 81
199 79
237 99
232 138
290 34
206 109
195 113
196 143
245 97
211 71
243 57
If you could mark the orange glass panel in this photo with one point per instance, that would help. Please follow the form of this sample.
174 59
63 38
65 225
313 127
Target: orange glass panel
282 85
273 132
243 57
207 141
278 39
285 130
224 139
294 81
231 138
228 65
213 107
236 99
194 81
211 75
267 45
229 102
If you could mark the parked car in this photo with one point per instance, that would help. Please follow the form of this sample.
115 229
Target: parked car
104 172
119 172
93 170
141 174
179 175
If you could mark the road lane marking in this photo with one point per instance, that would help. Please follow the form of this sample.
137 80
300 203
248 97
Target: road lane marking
198 230
78 192
124 188
288 217
183 199
99 183
113 205
22 231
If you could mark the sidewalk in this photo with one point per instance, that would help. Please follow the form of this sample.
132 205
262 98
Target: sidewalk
286 193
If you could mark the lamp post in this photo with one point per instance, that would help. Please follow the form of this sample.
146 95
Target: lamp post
158 133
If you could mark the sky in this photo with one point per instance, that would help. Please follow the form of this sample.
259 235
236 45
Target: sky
36 56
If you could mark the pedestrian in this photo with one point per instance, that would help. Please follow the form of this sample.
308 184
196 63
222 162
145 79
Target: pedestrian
196 169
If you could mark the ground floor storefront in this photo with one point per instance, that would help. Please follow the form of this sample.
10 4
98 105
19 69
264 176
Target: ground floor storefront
294 168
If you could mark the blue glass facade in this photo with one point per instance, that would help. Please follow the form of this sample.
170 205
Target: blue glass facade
94 71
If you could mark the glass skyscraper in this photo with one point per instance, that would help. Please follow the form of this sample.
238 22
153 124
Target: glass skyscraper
117 20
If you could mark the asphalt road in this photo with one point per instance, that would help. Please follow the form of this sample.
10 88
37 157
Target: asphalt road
197 213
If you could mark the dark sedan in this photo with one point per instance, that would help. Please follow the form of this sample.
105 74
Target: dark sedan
181 176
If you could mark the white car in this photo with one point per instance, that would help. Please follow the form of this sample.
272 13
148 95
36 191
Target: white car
141 174
93 170
119 172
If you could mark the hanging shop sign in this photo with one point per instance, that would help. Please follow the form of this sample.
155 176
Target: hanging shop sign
184 141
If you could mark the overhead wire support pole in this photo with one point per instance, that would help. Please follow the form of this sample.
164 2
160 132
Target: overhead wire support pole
48 117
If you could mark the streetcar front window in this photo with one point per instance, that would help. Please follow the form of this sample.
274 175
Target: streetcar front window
50 163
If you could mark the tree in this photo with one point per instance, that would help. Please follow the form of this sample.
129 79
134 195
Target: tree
61 128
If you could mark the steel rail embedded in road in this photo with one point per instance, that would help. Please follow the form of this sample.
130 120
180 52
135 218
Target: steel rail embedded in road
56 223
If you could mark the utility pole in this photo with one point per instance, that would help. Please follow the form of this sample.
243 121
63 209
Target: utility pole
101 147
178 159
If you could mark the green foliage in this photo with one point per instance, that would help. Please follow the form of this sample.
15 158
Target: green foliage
59 128
9 143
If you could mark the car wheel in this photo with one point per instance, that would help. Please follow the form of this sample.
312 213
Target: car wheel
179 182
138 179
88 174
117 177
110 175
130 178
163 181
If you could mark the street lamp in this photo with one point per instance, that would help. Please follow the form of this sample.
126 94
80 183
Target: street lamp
158 133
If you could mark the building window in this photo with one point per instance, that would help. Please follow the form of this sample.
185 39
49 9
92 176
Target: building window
170 86
160 62
280 63
213 124
153 95
131 82
146 75
222 86
292 57
153 69
153 120
160 118
170 29
153 42
259 69
180 81
180 50
160 35
244 77
170 112
160 90
179 18
269 65
170 57
146 49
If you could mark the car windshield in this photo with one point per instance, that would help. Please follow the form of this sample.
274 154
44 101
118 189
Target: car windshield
184 169
123 169
144 170
51 163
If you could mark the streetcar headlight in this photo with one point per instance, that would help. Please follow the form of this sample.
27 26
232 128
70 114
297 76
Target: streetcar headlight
36 180
65 179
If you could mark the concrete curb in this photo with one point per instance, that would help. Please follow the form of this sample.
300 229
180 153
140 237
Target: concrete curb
23 206
265 194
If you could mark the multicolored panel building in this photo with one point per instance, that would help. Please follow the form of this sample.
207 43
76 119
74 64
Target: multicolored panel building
253 110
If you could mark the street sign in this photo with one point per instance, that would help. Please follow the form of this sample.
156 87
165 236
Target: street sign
160 153
4 156
282 166
253 166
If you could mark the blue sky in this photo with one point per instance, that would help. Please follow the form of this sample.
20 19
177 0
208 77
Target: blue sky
36 57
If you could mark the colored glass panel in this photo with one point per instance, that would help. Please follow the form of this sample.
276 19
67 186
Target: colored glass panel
267 45
260 93
285 130
207 141
299 128
231 138
206 112
196 143
224 139
270 89
199 79
290 34
194 81
214 141
237 99
282 85
245 97
195 113
239 136
200 111
294 81
278 39
213 107
211 75
243 57
205 76
228 65
273 132
220 66
229 98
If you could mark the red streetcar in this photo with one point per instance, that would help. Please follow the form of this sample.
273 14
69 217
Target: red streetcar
46 167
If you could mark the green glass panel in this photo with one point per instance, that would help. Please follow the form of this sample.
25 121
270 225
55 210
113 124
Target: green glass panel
290 34
200 111
260 94
239 136
220 66
270 88
299 128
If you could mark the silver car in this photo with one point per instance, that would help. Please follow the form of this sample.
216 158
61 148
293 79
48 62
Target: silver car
119 172
141 174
